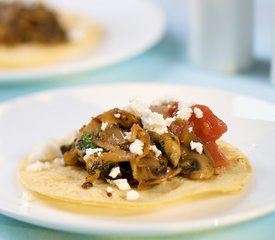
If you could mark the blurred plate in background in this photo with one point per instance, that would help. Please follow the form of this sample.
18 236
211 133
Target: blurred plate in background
129 28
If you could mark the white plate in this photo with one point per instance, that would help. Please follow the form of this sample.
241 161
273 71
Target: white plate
31 120
130 27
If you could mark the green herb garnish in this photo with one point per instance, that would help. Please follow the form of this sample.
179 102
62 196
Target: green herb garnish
161 144
85 142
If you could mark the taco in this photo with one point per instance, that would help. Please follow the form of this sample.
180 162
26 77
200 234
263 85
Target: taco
143 156
33 35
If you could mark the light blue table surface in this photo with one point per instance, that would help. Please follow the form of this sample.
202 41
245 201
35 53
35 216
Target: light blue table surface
164 63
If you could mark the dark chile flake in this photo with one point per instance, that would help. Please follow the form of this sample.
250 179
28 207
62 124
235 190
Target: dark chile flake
86 185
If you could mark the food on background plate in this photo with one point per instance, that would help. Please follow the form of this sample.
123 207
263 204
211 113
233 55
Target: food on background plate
32 34
141 156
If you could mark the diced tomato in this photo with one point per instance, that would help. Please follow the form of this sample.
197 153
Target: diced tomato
173 109
209 127
179 128
207 130
216 155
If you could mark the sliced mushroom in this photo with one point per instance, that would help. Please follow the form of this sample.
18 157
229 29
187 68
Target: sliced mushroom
111 157
137 132
93 126
147 168
151 182
73 156
196 166
120 117
107 160
110 139
70 157
150 170
170 144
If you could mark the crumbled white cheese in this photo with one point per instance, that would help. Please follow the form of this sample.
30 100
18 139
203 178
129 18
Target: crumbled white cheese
91 151
152 121
136 147
198 112
67 139
45 152
37 153
165 99
196 146
184 111
38 166
137 107
114 172
103 126
127 136
190 129
117 115
155 122
109 189
51 149
122 184
59 161
155 150
132 195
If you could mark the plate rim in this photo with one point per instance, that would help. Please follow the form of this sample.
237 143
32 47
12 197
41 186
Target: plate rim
163 229
66 88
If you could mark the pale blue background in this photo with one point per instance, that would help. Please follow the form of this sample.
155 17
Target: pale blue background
167 63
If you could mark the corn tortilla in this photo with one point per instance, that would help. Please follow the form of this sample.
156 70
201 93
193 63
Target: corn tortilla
64 183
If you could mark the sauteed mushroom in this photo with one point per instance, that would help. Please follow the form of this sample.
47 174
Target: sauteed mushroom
196 166
106 133
170 145
138 132
109 139
120 117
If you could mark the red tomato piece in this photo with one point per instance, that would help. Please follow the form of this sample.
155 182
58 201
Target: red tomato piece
209 127
181 129
218 158
173 109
